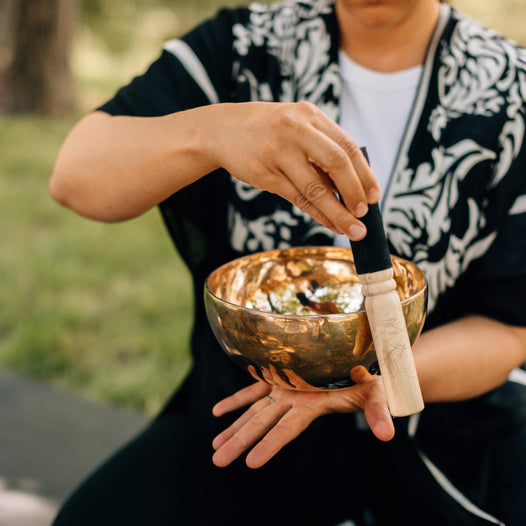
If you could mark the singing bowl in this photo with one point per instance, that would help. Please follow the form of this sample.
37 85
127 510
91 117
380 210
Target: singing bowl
279 314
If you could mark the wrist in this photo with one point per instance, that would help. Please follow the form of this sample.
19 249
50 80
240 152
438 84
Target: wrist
207 131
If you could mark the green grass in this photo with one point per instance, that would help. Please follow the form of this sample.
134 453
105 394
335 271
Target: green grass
100 310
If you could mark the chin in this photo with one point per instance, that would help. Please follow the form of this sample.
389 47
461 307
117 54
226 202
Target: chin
378 14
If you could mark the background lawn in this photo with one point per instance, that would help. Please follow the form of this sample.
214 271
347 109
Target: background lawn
104 310
99 309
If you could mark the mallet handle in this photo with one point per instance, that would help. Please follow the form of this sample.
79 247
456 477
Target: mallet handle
386 319
391 342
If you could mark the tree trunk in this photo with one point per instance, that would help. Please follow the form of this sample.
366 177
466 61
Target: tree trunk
35 43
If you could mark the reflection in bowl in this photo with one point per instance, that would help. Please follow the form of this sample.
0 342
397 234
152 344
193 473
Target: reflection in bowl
295 317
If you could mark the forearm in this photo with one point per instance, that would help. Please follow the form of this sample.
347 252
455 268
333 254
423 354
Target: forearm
467 357
115 168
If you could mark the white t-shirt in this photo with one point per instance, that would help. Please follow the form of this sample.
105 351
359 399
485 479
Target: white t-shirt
375 107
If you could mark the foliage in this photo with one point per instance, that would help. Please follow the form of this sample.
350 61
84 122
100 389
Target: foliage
117 22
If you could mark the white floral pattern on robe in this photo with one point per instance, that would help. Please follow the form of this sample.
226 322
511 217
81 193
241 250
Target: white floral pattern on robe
479 74
298 39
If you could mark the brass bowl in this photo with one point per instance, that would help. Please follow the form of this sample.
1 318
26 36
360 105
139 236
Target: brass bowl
275 314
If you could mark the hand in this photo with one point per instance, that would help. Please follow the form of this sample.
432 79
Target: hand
294 150
276 416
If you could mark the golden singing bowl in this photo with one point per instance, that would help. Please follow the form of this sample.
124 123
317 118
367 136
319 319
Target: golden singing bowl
295 317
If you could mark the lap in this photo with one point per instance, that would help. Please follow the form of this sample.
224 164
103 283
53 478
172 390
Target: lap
165 476
507 479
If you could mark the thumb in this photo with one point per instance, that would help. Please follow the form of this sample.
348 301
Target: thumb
376 410
379 420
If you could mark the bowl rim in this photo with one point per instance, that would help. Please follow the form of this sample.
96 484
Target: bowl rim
207 291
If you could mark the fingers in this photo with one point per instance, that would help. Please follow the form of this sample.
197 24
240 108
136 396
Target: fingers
272 377
361 375
379 420
338 155
241 398
376 410
290 426
313 191
252 370
297 152
340 158
361 167
247 430
298 382
228 433
268 425
324 145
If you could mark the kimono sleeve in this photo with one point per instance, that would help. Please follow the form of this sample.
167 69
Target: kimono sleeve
497 282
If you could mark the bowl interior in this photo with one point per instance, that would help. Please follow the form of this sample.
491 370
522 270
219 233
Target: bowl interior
271 281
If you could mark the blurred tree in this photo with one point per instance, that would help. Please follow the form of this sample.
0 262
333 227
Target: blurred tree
35 43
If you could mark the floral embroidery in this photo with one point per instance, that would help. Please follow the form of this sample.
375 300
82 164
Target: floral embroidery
472 76
479 76
435 211
297 38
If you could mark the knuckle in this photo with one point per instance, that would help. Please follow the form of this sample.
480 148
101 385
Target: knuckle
311 112
309 208
351 147
308 108
284 428
315 191
295 115
239 442
274 180
303 203
268 157
336 158
288 118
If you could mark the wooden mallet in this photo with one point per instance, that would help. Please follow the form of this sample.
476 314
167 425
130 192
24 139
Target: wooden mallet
386 320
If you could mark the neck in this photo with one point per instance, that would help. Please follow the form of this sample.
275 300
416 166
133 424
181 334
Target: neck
392 44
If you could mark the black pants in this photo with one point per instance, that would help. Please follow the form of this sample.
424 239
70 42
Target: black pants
165 477
330 473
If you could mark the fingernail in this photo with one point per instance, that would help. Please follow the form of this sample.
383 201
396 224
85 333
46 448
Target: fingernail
356 232
361 209
373 195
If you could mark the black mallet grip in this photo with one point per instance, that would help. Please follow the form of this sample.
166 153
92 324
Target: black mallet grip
386 319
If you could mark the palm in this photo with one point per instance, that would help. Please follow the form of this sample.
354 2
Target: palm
277 415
